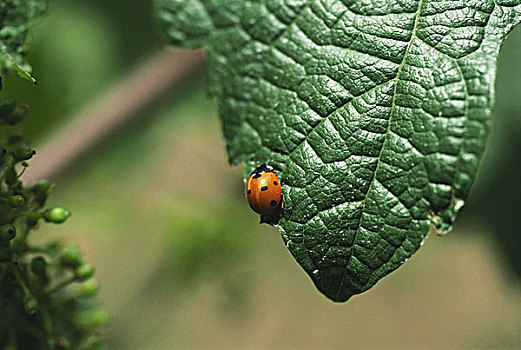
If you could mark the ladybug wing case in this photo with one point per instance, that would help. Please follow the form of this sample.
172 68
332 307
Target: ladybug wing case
251 193
269 193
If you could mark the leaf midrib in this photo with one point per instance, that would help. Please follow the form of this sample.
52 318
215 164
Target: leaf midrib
378 161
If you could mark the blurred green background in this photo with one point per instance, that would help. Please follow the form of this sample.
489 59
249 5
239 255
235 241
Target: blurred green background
182 260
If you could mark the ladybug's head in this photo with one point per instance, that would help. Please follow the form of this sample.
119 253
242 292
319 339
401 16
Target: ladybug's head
262 168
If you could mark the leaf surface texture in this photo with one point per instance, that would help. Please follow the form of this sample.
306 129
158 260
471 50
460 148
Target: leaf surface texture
374 113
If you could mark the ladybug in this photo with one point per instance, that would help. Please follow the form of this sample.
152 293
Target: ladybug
264 191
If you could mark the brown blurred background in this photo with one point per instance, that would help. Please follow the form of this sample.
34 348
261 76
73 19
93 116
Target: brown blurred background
182 260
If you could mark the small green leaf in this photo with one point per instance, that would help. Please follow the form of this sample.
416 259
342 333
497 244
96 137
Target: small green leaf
16 16
374 113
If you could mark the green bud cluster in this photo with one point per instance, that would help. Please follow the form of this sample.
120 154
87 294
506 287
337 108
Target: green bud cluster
11 113
46 291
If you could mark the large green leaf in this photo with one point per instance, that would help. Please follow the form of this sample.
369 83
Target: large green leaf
375 113
16 16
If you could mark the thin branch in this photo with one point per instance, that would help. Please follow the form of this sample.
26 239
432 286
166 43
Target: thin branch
110 110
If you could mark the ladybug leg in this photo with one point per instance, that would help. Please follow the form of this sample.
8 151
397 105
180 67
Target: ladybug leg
283 205
271 219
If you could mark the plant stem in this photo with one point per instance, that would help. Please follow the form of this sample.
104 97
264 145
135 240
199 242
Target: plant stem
29 215
60 285
8 162
20 280
47 322
3 272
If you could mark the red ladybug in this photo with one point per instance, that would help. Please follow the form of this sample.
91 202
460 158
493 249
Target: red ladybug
263 191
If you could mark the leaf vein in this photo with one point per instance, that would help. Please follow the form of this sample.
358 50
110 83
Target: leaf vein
393 104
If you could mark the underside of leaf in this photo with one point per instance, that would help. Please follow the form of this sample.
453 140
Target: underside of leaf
374 113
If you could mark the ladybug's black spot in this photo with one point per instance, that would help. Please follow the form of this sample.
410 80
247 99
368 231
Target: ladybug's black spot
264 188
249 191
275 183
256 176
273 203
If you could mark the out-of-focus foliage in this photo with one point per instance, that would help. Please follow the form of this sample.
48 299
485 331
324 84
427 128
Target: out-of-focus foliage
39 307
497 198
16 16
39 310
79 50
203 249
